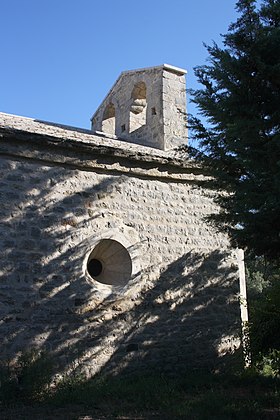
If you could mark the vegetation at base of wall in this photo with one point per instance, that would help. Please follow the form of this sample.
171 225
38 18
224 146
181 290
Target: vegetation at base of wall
201 393
28 381
195 394
263 282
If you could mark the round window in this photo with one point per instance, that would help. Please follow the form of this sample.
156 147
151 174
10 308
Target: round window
110 263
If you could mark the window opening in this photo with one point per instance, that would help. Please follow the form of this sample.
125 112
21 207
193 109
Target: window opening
110 263
94 267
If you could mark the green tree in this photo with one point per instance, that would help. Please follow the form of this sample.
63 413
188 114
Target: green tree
239 138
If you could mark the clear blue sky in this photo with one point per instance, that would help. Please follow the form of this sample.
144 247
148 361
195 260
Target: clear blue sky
59 58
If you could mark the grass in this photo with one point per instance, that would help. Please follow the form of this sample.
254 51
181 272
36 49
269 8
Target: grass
195 395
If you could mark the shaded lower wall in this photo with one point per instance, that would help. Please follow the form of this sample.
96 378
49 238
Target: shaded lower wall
181 307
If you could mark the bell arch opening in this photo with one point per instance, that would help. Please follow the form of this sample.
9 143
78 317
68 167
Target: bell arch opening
109 119
137 116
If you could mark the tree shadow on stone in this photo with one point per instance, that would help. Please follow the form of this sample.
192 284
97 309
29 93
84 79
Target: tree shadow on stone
45 237
185 316
188 318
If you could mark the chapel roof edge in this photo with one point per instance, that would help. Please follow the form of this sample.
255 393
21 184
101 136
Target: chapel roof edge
164 66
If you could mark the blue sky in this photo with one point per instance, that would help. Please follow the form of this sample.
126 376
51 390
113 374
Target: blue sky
59 58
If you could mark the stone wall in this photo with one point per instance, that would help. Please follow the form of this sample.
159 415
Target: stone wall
181 306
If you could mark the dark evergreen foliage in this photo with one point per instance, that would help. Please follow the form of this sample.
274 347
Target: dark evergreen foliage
240 138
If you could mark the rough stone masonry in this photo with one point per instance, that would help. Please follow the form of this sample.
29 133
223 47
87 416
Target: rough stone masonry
107 262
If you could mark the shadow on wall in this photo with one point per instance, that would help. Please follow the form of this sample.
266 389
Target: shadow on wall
184 317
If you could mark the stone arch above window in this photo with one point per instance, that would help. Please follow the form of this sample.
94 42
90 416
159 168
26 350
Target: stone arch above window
137 117
109 119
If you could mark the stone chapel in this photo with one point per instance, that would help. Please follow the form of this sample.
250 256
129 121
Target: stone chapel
107 261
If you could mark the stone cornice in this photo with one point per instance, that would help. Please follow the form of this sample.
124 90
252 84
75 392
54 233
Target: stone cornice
58 144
